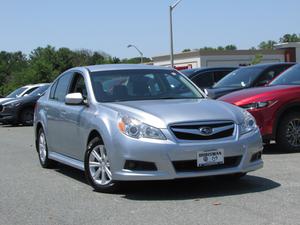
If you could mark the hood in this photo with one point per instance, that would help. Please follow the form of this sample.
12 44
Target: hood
215 93
260 94
4 100
161 113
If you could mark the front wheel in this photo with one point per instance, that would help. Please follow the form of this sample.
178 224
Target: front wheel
288 135
97 167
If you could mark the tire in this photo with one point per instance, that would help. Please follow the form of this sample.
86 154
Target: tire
26 116
97 170
231 177
288 135
43 150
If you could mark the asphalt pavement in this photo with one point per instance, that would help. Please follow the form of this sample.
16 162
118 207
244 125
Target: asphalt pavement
58 196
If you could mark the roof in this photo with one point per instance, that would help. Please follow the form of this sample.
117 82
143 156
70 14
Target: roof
200 53
265 65
109 67
35 85
192 72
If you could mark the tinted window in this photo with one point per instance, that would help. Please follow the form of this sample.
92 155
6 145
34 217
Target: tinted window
16 93
204 80
132 85
240 78
270 74
62 87
218 75
289 77
188 72
78 85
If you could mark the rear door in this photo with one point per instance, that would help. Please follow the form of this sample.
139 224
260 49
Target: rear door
54 108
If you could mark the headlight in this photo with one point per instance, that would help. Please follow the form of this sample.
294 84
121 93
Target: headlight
136 129
258 105
249 123
12 105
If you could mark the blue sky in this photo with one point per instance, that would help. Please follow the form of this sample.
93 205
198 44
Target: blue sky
110 25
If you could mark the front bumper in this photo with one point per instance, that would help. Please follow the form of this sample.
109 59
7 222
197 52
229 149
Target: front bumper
8 115
164 153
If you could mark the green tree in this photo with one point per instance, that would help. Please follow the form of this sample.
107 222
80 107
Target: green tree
257 59
265 45
290 38
186 50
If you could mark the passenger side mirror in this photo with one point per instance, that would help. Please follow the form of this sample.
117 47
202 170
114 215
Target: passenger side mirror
74 99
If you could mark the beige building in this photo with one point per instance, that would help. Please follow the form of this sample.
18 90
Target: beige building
287 52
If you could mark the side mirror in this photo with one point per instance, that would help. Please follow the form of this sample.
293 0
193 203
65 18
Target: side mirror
74 99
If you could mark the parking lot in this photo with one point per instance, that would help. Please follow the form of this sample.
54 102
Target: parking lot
32 195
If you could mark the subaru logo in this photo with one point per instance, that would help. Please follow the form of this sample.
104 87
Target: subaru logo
206 131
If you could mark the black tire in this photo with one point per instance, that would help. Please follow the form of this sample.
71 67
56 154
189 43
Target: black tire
282 139
26 116
44 161
231 177
110 187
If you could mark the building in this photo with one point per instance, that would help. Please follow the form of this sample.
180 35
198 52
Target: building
286 52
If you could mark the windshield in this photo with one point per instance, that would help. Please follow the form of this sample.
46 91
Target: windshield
134 85
40 91
240 78
289 77
16 93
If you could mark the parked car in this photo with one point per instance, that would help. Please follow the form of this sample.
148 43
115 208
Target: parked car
247 77
207 77
275 107
20 92
20 110
155 126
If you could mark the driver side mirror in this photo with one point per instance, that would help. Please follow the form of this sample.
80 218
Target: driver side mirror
74 99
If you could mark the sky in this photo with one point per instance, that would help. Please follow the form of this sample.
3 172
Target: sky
110 25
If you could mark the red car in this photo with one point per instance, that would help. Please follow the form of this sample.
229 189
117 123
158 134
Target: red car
275 107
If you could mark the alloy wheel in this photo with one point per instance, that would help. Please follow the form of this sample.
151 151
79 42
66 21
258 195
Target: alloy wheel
99 166
293 133
42 147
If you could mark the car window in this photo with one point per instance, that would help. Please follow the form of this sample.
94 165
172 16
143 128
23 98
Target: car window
16 93
204 79
30 90
52 91
240 78
39 91
62 87
289 77
218 75
134 85
78 85
270 74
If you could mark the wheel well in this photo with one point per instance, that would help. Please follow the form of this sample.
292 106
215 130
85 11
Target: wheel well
23 109
92 135
283 113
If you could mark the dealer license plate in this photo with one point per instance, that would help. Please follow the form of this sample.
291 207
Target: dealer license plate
209 158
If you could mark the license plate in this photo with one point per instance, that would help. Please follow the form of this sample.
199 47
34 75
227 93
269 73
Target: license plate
209 158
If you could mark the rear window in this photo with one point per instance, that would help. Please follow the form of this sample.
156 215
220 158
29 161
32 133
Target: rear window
289 77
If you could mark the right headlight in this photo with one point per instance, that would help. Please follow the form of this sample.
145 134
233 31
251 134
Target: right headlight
249 123
136 129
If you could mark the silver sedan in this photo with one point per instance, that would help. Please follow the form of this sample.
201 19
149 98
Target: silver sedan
136 122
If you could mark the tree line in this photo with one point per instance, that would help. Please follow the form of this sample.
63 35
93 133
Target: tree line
264 45
43 65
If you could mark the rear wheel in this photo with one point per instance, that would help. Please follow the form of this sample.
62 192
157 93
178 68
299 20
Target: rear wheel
26 117
97 167
43 150
288 136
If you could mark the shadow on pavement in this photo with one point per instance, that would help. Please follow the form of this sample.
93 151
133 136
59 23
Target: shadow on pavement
274 149
182 189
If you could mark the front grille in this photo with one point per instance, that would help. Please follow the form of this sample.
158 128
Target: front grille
192 131
191 165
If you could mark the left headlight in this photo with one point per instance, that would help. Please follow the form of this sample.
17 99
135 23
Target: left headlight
136 129
249 123
12 105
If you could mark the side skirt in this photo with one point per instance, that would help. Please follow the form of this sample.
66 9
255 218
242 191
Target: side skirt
66 160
